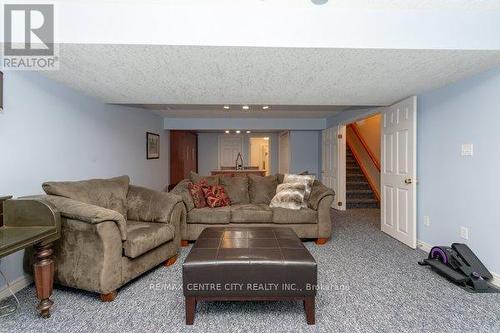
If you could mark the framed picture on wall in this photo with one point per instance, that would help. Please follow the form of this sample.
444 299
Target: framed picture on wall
152 146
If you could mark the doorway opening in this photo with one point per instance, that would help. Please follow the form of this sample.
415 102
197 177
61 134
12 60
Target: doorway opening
363 142
259 154
393 177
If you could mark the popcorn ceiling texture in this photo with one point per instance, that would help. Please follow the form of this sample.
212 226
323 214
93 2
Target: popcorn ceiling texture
370 283
239 75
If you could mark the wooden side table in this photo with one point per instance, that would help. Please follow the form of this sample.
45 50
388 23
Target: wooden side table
32 222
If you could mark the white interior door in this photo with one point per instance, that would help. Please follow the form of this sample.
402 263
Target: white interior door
284 153
229 147
398 171
333 163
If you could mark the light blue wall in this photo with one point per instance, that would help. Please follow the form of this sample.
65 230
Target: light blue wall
50 132
208 153
269 124
208 145
454 190
305 152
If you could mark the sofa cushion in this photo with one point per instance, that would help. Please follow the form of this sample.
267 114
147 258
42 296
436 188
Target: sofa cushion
145 236
237 189
291 216
221 215
289 195
216 196
280 177
211 180
251 213
262 189
182 189
107 193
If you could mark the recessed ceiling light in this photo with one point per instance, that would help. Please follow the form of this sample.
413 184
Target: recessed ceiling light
227 132
266 138
265 107
238 132
319 2
245 107
226 107
248 132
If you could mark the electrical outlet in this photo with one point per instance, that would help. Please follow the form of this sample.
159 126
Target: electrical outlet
467 149
427 221
464 232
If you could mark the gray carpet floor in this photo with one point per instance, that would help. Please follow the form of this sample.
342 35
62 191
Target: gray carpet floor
370 283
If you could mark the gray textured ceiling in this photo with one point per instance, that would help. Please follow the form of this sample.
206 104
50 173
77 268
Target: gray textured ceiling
139 74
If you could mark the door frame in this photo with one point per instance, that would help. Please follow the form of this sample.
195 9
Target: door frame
368 113
333 139
269 145
341 170
219 146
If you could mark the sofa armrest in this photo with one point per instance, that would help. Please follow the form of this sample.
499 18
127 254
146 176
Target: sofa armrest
87 213
319 192
182 189
149 205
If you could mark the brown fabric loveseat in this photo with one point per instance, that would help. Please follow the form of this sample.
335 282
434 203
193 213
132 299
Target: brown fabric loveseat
250 197
112 232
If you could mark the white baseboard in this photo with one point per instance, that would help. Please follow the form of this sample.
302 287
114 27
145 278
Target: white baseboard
16 285
427 248
424 246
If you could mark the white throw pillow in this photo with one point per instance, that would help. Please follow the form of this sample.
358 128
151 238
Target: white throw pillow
289 195
307 180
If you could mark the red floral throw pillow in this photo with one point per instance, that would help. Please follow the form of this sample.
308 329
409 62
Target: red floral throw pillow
216 196
197 194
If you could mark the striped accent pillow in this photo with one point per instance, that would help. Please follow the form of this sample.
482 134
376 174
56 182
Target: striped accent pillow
289 195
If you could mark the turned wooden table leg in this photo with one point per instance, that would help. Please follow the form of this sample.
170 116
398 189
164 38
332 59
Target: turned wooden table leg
190 309
309 308
44 277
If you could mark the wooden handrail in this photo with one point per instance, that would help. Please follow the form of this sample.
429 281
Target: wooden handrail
374 159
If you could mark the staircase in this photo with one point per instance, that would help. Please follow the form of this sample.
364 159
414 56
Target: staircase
359 193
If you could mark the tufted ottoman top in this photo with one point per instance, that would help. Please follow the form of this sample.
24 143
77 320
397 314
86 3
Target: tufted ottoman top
238 261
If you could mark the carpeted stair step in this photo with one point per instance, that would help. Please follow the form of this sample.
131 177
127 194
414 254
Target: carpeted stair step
360 194
357 186
353 169
355 177
362 203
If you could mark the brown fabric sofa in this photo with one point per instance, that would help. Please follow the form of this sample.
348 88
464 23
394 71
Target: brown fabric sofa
250 197
112 232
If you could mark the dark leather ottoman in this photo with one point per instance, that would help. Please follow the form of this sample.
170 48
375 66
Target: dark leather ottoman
249 264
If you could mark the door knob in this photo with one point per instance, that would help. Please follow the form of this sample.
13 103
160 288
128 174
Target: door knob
408 181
